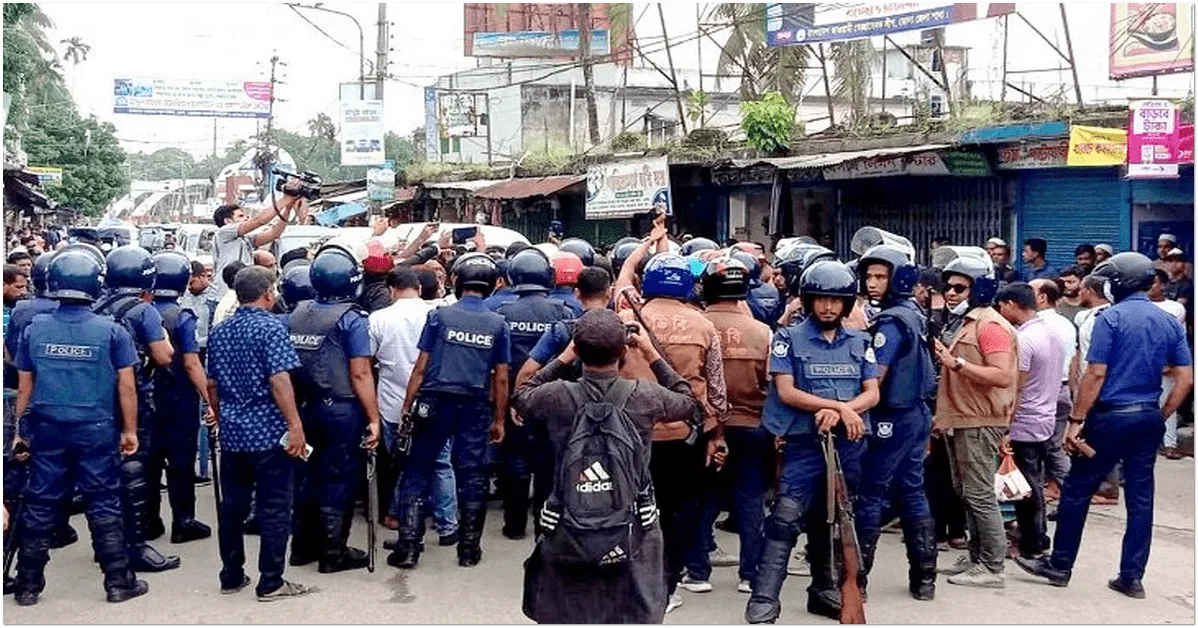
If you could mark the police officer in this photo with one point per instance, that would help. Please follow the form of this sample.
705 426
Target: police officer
581 248
503 287
620 254
763 299
463 366
1119 415
566 266
526 454
745 345
297 286
331 334
71 364
901 422
824 381
178 389
129 279
792 261
695 245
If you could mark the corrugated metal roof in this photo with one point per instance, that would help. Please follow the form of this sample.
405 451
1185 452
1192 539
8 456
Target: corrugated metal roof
469 186
800 162
528 187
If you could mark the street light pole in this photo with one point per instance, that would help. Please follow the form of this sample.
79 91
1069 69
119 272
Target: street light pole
361 43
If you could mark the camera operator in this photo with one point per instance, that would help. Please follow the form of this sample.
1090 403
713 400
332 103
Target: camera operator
236 238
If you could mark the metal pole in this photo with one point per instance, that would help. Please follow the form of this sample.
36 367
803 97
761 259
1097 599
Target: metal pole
1006 25
699 43
361 45
380 70
1077 88
673 77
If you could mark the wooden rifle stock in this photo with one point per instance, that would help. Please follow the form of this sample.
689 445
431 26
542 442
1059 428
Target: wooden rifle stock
843 536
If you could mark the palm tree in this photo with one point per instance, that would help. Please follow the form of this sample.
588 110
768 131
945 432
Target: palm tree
29 19
76 53
322 127
851 76
761 68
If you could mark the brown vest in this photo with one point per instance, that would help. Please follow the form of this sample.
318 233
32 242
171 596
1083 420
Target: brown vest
685 336
960 403
745 345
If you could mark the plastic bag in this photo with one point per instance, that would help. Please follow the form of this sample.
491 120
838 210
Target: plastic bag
1009 483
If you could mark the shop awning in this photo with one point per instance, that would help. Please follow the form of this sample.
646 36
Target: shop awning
802 162
529 187
468 186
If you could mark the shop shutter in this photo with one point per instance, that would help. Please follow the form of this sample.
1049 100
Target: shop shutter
1072 206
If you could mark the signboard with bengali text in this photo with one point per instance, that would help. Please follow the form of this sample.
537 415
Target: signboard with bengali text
627 188
1029 155
180 97
1153 138
793 24
1097 146
362 133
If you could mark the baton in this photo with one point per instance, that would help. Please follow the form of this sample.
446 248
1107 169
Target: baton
372 500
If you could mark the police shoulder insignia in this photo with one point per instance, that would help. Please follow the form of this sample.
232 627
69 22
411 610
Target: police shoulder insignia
869 355
781 348
879 340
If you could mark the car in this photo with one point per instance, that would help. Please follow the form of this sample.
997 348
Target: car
195 240
300 236
492 235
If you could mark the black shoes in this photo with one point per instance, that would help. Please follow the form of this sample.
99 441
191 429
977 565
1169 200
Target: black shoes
825 603
137 588
25 598
144 558
448 540
403 559
63 537
189 530
515 535
469 556
245 582
1042 567
349 559
1131 588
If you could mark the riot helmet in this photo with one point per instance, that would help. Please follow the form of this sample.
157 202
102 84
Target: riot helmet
694 245
828 278
529 271
581 248
984 285
336 275
476 272
173 272
297 286
751 263
725 279
41 266
74 275
667 275
621 253
129 270
1126 274
902 273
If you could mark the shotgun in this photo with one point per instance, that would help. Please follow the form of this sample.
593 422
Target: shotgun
843 536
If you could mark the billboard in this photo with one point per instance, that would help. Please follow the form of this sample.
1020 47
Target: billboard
1148 39
362 133
1153 139
544 30
538 43
180 97
792 24
46 174
461 114
432 133
627 188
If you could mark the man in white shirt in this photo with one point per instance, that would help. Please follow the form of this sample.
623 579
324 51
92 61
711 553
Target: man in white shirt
1157 295
394 335
1048 296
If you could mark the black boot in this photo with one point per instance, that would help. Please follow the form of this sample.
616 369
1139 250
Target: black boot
134 491
868 542
120 583
781 531
823 596
337 556
411 532
920 539
63 536
155 528
32 556
189 530
515 506
305 526
470 532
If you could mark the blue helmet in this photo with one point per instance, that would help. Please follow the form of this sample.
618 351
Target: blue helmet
297 286
903 273
581 248
828 278
529 270
697 264
796 259
694 245
41 266
336 275
752 266
984 285
173 272
130 270
621 253
74 274
668 275
475 271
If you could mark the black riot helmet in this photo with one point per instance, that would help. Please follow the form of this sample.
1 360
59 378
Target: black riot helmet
41 267
336 275
828 278
173 272
724 279
129 270
694 245
581 248
474 271
515 247
795 260
297 286
904 274
1126 274
530 271
752 266
625 240
74 275
621 253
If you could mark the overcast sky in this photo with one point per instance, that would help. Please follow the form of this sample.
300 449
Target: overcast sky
236 40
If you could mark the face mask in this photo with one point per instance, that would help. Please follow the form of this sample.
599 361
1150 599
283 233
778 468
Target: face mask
1106 291
960 309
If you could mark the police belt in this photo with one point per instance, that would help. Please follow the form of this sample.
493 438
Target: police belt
1131 408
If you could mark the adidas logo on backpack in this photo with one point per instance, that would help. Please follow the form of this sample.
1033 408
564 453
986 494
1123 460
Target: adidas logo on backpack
616 555
593 479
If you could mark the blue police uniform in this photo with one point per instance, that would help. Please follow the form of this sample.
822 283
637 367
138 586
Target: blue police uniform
145 326
902 425
552 343
765 303
500 297
176 416
566 296
832 370
19 317
1136 340
464 342
74 357
526 453
326 337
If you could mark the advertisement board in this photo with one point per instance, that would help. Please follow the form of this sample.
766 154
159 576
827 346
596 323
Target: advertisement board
1153 136
462 114
46 174
1097 146
1031 155
792 24
380 182
1150 39
432 135
181 97
545 30
627 188
538 43
362 133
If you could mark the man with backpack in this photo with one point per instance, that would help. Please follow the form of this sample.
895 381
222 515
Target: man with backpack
601 557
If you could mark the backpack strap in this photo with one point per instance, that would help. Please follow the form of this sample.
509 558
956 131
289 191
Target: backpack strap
620 392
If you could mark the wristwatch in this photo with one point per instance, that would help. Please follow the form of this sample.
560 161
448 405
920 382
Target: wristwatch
958 364
1077 421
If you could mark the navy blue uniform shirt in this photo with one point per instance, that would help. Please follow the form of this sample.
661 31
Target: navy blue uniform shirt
1136 340
464 342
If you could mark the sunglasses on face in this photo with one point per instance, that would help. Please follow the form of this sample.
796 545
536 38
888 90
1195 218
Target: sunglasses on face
956 288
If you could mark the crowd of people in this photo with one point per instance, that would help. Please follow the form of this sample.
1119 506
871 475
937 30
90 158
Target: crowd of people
620 398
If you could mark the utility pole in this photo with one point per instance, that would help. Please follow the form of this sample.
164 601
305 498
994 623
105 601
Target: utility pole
1077 88
665 38
699 43
384 46
583 22
823 66
265 152
214 137
948 92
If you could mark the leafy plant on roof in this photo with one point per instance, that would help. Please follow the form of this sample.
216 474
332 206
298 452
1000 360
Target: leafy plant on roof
768 123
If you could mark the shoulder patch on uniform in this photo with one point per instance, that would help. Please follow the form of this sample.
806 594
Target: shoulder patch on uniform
869 355
781 348
879 340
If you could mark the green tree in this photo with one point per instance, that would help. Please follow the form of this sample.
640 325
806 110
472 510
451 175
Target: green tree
761 69
30 79
76 53
852 80
87 150
768 123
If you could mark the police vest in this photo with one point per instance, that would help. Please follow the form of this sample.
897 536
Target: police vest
911 378
821 369
165 379
321 349
528 318
73 362
123 309
566 296
461 362
764 301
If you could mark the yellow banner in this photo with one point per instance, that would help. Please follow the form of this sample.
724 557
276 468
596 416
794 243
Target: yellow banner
1096 146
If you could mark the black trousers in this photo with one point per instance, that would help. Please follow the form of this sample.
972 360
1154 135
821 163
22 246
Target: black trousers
677 470
269 475
1030 459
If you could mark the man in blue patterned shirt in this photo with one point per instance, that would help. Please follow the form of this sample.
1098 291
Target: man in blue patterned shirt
249 357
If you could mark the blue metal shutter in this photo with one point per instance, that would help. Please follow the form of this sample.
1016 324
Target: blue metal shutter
1072 206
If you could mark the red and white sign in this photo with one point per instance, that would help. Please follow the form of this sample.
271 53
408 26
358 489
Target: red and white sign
1153 137
1030 155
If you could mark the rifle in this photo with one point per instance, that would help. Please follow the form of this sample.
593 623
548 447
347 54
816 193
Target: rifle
843 535
372 503
697 423
12 537
213 444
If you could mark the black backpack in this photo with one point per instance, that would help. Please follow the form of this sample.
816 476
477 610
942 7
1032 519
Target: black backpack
603 495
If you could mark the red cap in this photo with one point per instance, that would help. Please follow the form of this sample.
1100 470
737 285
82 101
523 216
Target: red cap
566 267
377 261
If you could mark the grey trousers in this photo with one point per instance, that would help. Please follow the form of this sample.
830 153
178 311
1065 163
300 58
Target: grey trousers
973 453
1056 466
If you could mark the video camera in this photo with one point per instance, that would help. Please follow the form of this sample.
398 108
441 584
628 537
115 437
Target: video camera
300 184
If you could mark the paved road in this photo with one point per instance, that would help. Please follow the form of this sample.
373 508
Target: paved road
441 592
